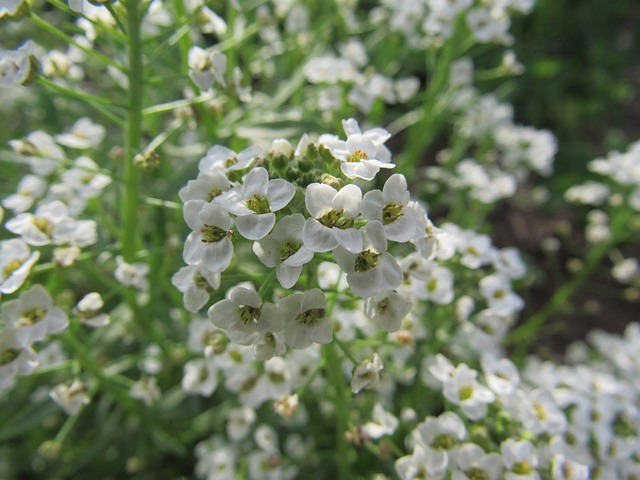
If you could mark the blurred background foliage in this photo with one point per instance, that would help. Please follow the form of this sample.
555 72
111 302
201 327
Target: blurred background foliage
582 78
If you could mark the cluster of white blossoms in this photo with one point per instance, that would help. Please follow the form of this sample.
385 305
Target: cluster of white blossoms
432 22
575 421
337 221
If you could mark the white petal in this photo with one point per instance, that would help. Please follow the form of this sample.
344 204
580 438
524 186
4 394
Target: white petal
280 194
195 298
256 183
401 230
363 144
191 211
302 256
365 284
351 127
223 314
217 256
256 226
359 170
391 272
245 296
288 275
318 199
267 250
372 205
373 233
313 299
317 237
395 190
348 199
213 214
350 239
346 260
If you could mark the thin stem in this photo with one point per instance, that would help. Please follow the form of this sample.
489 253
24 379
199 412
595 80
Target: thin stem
133 132
42 23
334 371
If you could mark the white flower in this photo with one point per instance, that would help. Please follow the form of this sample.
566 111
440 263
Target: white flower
208 186
42 154
70 397
10 8
367 374
256 201
333 215
88 310
219 157
434 284
283 249
363 154
384 423
20 66
16 260
207 66
388 207
200 377
373 269
520 459
464 390
209 243
239 421
305 319
33 316
84 178
146 389
387 309
132 274
196 282
14 358
42 227
501 375
508 262
244 316
474 462
496 289
30 188
84 134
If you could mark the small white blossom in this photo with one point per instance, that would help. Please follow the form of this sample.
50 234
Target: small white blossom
283 249
373 269
223 158
132 274
88 310
70 397
209 243
83 134
367 374
305 319
196 283
244 316
30 188
387 309
384 423
256 201
207 66
200 377
33 316
16 260
332 219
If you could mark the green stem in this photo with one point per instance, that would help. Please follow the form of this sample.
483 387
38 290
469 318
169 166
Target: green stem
342 408
133 132
42 23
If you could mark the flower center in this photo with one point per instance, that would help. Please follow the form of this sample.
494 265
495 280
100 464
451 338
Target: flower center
499 294
212 233
432 284
391 212
444 442
249 315
12 266
289 249
522 468
383 306
259 204
44 225
8 356
213 193
201 282
311 317
475 473
466 393
230 161
367 260
335 219
31 316
357 156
